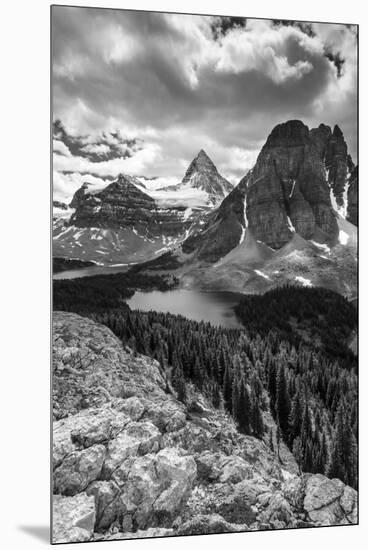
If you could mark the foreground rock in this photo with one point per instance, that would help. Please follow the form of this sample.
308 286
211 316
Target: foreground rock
131 461
73 518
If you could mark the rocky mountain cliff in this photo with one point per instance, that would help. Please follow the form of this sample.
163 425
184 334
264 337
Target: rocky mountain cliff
288 191
119 205
286 217
130 460
352 206
120 224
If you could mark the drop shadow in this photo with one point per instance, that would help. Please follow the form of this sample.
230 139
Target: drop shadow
40 532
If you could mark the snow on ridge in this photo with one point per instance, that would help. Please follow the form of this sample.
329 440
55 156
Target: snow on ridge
261 274
305 282
245 212
344 207
340 209
242 236
244 227
62 233
323 247
292 189
290 225
343 237
188 212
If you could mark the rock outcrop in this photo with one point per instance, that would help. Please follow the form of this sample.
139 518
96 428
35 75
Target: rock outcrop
287 191
352 207
59 204
123 205
222 230
339 165
120 204
130 460
79 195
122 224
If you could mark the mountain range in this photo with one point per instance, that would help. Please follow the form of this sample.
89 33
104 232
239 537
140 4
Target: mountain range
292 218
125 222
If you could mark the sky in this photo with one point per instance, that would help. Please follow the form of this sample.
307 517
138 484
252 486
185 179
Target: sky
142 92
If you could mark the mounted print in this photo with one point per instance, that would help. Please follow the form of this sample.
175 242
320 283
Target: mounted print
205 218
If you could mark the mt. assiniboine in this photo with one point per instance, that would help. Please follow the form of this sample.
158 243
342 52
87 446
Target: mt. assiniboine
202 174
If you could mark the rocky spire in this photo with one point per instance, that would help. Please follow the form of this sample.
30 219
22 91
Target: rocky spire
203 174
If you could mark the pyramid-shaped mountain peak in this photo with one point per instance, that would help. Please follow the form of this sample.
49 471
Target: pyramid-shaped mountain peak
203 174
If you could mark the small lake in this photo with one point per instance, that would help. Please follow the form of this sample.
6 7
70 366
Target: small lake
90 271
213 307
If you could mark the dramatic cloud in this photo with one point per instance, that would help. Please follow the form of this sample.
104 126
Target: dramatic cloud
143 92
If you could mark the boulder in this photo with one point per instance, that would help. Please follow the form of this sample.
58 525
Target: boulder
157 486
239 505
137 439
73 518
87 428
133 407
234 469
108 505
207 466
167 416
349 503
278 510
294 492
78 470
322 499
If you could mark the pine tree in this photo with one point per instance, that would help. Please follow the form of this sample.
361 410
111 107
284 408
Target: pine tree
243 408
282 401
295 417
227 389
298 452
257 419
278 440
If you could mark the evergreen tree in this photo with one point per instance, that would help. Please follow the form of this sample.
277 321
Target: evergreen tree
298 452
282 401
242 407
227 388
295 417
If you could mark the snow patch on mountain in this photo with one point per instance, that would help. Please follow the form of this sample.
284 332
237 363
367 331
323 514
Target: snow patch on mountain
290 225
304 281
323 247
261 274
343 237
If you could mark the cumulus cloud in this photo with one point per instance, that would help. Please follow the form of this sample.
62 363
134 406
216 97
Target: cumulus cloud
143 92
